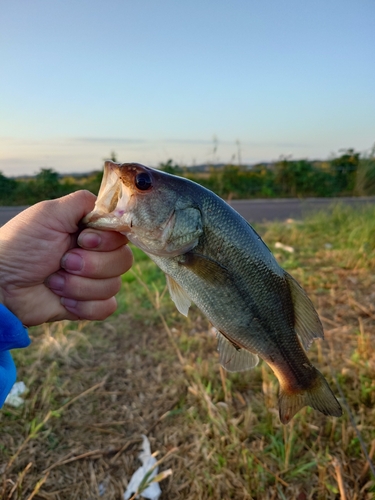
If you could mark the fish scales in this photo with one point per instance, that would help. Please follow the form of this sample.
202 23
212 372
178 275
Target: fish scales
214 258
249 297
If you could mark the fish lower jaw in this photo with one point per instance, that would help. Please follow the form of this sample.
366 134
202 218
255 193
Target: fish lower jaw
105 221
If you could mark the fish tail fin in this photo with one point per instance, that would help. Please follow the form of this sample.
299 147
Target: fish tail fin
319 396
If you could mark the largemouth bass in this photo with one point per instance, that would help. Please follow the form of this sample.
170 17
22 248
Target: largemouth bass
213 257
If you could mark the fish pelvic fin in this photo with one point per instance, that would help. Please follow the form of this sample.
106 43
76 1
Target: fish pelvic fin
178 295
306 320
319 396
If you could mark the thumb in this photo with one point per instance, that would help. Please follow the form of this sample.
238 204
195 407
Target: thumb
65 213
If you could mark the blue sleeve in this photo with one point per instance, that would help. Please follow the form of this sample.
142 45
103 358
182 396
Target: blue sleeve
13 335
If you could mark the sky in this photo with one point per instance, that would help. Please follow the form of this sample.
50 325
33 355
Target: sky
196 81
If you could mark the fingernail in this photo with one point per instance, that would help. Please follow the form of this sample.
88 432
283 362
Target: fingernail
72 262
55 282
89 240
68 303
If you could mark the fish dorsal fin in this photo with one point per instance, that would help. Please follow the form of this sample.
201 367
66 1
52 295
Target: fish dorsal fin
306 320
178 296
233 358
205 267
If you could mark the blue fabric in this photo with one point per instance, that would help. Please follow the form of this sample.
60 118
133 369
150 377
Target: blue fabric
8 375
12 336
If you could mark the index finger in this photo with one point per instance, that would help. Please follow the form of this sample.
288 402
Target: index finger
101 241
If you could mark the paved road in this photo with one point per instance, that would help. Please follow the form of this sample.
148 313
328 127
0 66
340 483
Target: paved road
291 208
6 213
258 210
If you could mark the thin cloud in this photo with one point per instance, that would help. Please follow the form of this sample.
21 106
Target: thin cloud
234 142
109 140
203 142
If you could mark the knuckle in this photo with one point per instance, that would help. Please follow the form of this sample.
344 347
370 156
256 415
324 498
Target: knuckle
117 285
108 288
100 310
77 288
94 265
127 258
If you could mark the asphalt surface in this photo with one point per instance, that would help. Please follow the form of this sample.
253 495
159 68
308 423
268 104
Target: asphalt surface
291 208
6 213
258 210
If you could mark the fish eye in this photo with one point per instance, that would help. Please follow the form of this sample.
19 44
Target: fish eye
143 181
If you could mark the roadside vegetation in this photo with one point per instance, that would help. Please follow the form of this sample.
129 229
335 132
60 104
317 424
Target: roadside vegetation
95 388
348 174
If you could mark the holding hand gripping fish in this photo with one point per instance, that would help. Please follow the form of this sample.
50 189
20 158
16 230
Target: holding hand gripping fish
211 256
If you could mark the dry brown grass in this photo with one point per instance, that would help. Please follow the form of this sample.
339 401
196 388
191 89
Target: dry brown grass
96 387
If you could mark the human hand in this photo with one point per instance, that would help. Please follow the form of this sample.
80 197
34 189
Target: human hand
45 276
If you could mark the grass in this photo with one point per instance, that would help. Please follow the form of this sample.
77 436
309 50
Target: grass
95 388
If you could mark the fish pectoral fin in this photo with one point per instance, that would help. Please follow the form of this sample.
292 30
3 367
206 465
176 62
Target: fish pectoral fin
306 320
233 358
205 267
178 295
319 396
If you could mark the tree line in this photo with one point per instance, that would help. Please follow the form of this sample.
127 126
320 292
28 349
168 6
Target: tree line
46 185
349 174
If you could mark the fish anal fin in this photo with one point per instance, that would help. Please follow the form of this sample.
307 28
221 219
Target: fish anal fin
306 320
319 396
178 295
233 358
205 267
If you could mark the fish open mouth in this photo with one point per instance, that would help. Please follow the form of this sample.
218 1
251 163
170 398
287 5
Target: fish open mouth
112 202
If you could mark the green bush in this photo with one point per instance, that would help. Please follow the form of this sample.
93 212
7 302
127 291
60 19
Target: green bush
345 175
